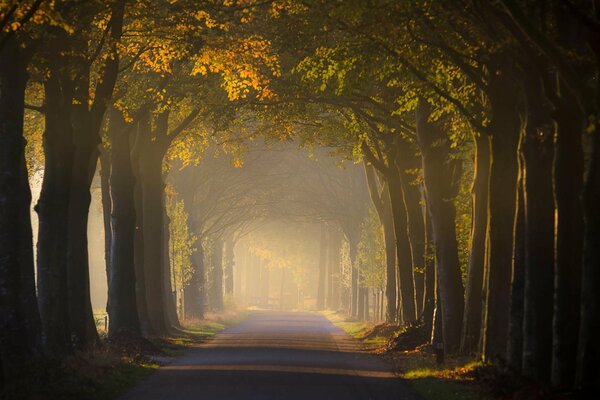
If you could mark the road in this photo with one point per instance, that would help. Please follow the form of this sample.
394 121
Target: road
271 356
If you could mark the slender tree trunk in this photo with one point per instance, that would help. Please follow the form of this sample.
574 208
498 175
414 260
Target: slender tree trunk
19 318
122 303
588 375
537 154
430 284
515 331
322 268
403 251
505 127
381 201
53 211
170 306
568 182
474 293
217 275
229 265
353 277
334 260
441 178
408 162
193 293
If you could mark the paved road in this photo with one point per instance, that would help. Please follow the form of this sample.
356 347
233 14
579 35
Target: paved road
272 356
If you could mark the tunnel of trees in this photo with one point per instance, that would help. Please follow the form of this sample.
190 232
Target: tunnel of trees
423 163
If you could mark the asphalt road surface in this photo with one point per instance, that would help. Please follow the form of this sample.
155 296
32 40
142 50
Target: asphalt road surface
275 355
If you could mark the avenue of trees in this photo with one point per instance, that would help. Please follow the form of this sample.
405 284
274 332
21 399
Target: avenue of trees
468 133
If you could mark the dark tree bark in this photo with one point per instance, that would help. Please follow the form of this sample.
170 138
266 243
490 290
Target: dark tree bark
381 201
139 265
406 162
515 330
19 319
353 250
588 373
441 177
536 148
53 211
568 182
430 284
322 268
122 303
474 292
504 128
170 299
408 310
150 158
86 121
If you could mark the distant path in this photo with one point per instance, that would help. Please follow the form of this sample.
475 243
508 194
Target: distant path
272 356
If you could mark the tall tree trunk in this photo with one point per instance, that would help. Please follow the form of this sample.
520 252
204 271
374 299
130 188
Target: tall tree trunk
504 128
216 298
474 293
122 303
568 183
53 211
430 284
150 168
515 332
19 318
140 273
322 268
588 375
193 292
404 256
229 265
407 162
81 317
381 201
537 154
170 306
441 177
334 262
353 250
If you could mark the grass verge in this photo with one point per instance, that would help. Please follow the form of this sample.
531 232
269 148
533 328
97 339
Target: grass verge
453 380
109 370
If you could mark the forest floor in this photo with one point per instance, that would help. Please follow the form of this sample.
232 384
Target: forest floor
453 380
112 367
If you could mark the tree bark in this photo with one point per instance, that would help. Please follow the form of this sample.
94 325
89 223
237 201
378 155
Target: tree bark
193 293
568 183
474 293
504 128
406 162
441 177
430 284
588 375
322 268
53 212
381 201
229 265
216 298
122 309
515 331
537 154
406 280
19 319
